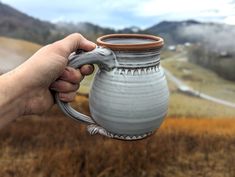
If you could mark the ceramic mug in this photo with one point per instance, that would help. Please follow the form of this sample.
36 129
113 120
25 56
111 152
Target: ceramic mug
129 94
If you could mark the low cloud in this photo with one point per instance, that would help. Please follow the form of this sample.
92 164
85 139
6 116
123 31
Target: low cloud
215 37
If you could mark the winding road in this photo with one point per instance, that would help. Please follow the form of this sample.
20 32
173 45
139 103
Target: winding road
182 87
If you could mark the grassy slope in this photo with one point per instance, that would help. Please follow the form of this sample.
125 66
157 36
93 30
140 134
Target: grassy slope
13 52
203 80
20 47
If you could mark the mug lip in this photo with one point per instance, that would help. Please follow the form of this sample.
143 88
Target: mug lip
157 43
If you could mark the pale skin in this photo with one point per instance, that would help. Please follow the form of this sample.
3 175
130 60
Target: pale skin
27 89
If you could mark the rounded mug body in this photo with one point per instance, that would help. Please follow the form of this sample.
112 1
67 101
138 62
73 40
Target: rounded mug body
132 98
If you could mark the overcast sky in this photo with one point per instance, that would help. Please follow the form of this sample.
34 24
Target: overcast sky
125 13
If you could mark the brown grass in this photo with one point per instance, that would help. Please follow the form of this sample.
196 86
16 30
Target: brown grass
19 47
182 105
54 146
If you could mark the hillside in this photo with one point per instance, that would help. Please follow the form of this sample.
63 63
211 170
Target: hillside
202 80
16 24
13 52
169 30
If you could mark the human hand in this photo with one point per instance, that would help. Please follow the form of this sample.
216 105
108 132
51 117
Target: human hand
47 69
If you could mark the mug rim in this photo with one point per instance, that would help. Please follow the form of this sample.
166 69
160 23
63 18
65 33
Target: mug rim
157 43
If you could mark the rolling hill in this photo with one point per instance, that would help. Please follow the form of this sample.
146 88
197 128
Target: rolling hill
169 30
13 52
16 24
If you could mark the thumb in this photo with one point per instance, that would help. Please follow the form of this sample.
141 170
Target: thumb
73 42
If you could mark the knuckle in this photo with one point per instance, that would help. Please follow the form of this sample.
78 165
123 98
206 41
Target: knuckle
56 45
76 76
68 87
59 48
62 86
76 35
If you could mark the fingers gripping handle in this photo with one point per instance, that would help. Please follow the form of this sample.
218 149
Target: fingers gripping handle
104 58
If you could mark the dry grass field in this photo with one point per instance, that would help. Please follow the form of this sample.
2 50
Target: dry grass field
55 146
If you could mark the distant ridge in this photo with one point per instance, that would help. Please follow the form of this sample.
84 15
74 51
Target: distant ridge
16 24
169 30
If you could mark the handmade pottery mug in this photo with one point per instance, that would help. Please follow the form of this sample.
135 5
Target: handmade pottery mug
129 94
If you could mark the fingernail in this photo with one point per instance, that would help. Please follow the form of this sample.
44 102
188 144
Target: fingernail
90 67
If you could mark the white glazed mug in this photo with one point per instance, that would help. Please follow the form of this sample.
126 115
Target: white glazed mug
129 94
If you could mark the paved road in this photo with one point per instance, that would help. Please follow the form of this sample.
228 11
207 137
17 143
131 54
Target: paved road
182 87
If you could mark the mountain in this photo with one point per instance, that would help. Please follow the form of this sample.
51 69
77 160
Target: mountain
14 23
130 30
169 30
89 30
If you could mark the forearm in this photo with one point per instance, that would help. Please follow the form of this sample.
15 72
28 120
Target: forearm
11 101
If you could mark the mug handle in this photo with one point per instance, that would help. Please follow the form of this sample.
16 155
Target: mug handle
104 58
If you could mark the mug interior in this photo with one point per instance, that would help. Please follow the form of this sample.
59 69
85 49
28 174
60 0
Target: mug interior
130 41
123 41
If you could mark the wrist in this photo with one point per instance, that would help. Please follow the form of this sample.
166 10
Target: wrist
12 96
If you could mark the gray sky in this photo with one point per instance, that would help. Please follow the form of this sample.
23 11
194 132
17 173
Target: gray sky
125 13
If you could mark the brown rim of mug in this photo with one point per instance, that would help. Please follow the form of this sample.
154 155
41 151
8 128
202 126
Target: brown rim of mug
158 42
